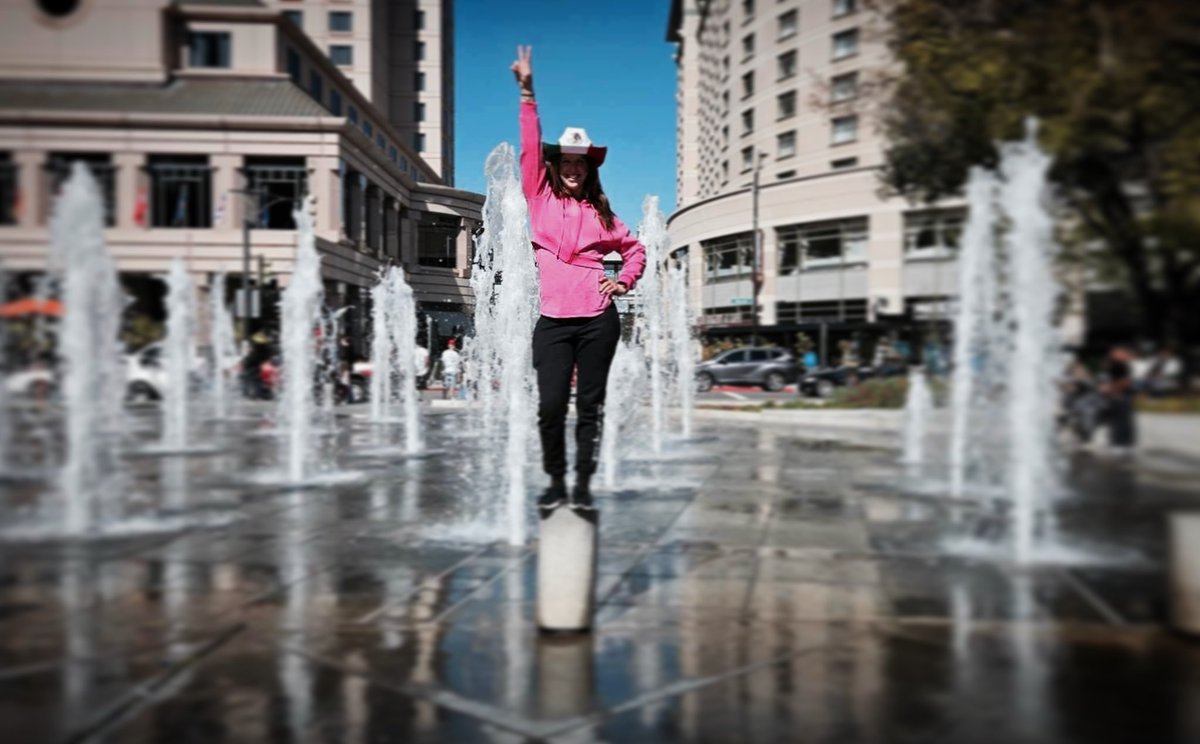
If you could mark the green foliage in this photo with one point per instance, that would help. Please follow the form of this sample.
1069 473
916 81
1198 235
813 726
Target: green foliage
889 392
1115 88
140 330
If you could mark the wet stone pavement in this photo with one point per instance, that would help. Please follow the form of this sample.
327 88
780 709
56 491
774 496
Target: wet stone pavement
752 587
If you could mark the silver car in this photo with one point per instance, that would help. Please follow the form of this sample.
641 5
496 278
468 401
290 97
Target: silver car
768 367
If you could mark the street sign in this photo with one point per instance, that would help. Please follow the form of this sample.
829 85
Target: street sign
741 301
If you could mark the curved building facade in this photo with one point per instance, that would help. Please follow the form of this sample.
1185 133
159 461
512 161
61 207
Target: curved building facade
772 107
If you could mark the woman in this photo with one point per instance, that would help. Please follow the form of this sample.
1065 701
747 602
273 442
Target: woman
573 228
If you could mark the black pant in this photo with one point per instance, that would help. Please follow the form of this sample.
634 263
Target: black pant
559 345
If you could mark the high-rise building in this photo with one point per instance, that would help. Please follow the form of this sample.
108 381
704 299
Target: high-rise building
400 55
205 121
775 89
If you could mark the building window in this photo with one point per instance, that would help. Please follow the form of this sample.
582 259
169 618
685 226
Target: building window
784 175
729 257
368 129
845 44
724 171
437 240
747 10
844 163
786 104
785 145
353 115
380 142
335 102
932 234
819 244
725 136
748 84
209 49
844 87
845 129
418 111
293 65
180 191
8 190
374 217
789 23
58 168
392 154
747 158
786 65
822 311
316 87
419 20
280 184
295 16
747 121
419 81
747 46
341 55
419 51
844 7
419 141
341 20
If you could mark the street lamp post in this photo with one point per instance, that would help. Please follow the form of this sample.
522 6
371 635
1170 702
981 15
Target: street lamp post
757 260
247 224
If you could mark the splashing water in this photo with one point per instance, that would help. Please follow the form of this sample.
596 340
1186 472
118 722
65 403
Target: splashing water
404 311
652 313
917 409
499 356
383 348
1032 404
1003 392
177 354
626 381
88 349
224 347
683 346
301 306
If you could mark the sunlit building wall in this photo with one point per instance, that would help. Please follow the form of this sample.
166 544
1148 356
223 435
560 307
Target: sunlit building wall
783 87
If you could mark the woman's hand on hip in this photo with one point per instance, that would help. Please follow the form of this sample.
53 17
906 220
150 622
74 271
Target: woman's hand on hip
612 287
522 69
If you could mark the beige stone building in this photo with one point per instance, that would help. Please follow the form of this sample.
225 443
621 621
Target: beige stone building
206 120
776 87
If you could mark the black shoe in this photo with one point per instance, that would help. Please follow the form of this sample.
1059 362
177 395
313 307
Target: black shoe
581 498
551 499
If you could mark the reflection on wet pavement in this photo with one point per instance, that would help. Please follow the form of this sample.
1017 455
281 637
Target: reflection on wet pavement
754 588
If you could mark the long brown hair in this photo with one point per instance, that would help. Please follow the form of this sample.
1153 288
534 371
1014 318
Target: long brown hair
593 192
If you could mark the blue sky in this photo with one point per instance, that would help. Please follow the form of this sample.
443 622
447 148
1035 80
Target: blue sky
604 66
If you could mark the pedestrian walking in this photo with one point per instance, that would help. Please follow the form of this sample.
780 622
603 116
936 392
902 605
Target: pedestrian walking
451 362
573 228
1118 392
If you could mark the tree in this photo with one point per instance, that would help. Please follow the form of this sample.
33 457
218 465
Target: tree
1115 87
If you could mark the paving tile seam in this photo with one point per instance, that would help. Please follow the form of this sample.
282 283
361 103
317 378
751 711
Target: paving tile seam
675 689
382 609
1097 603
113 715
526 554
489 714
646 549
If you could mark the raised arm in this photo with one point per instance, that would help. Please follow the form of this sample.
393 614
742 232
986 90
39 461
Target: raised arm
533 167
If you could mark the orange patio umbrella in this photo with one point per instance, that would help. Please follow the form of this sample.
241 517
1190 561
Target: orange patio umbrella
30 306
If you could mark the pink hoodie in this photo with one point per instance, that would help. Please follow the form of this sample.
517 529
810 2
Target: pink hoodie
569 240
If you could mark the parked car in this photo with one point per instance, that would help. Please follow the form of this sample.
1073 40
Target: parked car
822 383
39 382
767 367
146 376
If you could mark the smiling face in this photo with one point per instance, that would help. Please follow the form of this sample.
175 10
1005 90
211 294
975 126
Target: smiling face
573 170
